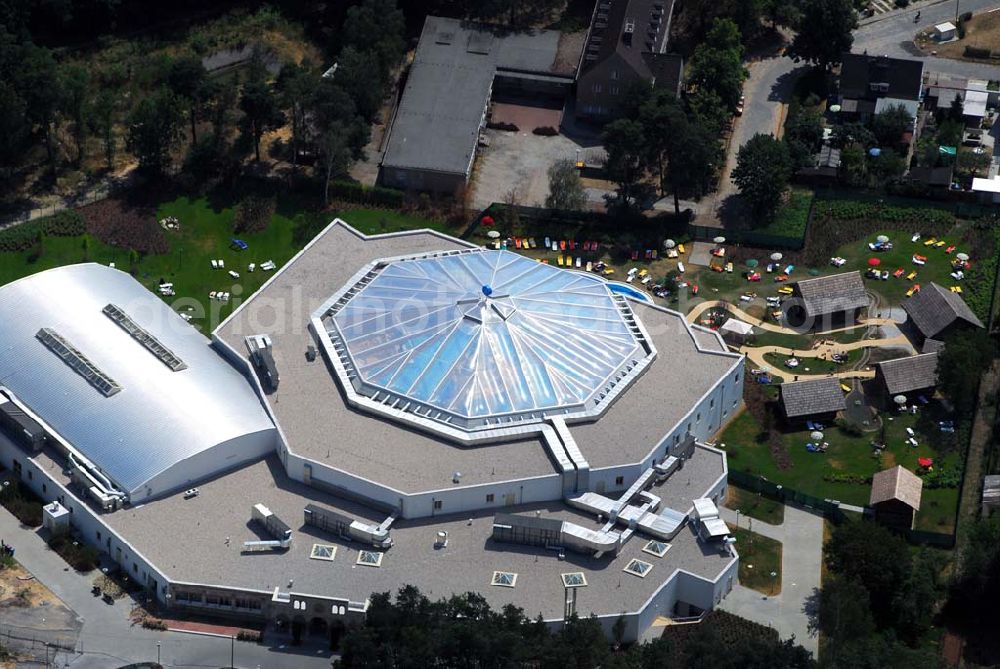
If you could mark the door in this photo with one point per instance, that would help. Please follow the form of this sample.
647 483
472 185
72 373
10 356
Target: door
510 499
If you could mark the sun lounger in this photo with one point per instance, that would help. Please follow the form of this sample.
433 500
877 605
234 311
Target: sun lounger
635 255
233 273
579 261
646 280
211 295
911 276
931 242
909 431
555 245
680 267
548 243
680 249
786 290
215 264
590 266
950 249
789 269
643 272
251 267
915 237
919 260
562 244
955 289
531 242
729 267
672 253
608 271
559 260
517 242
940 244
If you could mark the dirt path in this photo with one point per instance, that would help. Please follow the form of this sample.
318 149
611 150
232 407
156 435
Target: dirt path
699 309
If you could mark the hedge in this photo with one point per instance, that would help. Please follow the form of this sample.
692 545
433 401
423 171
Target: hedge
849 210
67 223
376 195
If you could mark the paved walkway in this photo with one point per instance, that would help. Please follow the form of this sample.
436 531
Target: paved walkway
109 640
824 351
702 307
801 536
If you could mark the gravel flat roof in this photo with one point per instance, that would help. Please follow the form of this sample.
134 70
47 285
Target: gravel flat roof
309 405
187 540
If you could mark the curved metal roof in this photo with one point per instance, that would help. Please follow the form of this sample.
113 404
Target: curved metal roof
482 334
162 414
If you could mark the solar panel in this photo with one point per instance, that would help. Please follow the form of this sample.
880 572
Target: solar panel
78 361
148 341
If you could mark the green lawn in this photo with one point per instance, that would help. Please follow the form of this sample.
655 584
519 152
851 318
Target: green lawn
754 505
791 219
205 233
804 342
760 557
844 471
812 365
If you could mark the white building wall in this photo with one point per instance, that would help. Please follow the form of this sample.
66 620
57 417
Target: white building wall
86 521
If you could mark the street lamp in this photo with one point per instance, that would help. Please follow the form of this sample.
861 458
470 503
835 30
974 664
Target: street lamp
774 581
157 652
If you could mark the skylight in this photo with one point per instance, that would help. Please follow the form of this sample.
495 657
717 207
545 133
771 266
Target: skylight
370 558
638 568
148 341
504 579
574 579
479 337
323 552
657 548
78 362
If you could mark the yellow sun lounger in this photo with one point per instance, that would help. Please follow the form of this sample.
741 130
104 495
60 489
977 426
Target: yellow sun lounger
786 290
643 272
911 276
930 242
559 259
846 388
680 248
956 289
940 244
910 292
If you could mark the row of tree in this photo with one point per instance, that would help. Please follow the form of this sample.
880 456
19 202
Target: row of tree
463 631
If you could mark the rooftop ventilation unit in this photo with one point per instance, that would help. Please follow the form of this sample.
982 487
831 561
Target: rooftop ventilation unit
78 362
444 37
273 525
148 341
259 347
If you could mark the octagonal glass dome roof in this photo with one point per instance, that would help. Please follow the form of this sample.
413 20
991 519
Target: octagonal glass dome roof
475 337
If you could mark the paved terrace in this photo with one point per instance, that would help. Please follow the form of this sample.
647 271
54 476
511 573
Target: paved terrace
187 540
309 405
670 387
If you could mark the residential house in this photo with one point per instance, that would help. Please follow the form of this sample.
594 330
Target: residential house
626 43
826 301
814 400
895 497
866 80
912 375
936 313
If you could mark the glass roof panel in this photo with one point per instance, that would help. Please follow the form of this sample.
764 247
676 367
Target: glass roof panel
485 333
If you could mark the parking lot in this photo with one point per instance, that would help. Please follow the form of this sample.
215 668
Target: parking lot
520 160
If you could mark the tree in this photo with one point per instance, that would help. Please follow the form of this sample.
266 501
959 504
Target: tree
625 145
188 79
844 610
695 162
963 359
14 127
781 13
38 81
565 188
853 169
356 72
377 27
973 162
763 168
154 130
847 134
296 83
804 134
717 64
874 557
259 104
102 119
973 594
824 31
74 82
662 121
889 125
709 111
336 154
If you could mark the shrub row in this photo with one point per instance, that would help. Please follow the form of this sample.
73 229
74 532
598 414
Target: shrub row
22 503
77 554
943 477
376 195
22 237
838 477
977 52
848 210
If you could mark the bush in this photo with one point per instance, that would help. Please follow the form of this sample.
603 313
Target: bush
545 131
253 214
977 52
501 125
838 477
849 428
22 237
248 635
120 224
154 624
22 503
967 16
961 27
943 477
77 554
351 191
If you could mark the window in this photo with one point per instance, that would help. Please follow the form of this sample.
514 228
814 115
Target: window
711 403
657 548
504 579
614 75
323 552
45 488
598 88
697 419
135 568
677 438
614 90
98 535
30 475
638 568
737 377
489 498
619 480
574 579
437 505
370 558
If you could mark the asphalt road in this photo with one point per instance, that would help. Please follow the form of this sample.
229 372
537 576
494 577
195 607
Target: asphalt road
892 34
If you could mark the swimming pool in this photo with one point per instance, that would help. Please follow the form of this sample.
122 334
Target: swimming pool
625 289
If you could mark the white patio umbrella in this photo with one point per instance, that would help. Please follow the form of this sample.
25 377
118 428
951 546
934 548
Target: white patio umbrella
719 240
882 239
899 399
493 234
669 244
964 257
776 256
835 108
816 436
